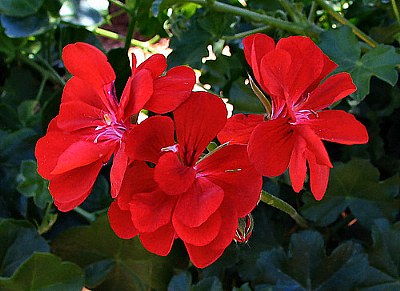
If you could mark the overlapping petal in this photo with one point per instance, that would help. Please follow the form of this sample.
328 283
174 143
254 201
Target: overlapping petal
239 127
197 122
159 241
270 147
121 222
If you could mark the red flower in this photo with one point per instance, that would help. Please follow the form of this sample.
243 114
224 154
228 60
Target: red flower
292 133
198 201
92 124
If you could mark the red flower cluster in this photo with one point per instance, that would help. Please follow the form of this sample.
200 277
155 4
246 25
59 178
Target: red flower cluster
291 134
164 184
92 124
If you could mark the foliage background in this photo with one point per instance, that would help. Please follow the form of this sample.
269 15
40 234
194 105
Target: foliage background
352 236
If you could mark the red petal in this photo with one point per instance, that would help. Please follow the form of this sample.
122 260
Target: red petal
172 176
339 126
137 92
270 147
88 63
152 210
118 169
74 186
275 69
231 169
67 206
203 256
171 90
138 179
297 165
329 66
307 63
333 89
319 176
314 144
82 153
256 46
50 147
77 115
156 64
160 241
147 139
239 127
202 234
196 205
121 222
78 90
197 122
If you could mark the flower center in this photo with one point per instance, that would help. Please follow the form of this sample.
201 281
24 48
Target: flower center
111 130
303 116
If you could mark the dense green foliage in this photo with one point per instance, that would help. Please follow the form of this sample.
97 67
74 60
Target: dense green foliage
352 236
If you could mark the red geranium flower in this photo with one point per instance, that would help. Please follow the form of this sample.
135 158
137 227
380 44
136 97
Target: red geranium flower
198 201
291 134
92 122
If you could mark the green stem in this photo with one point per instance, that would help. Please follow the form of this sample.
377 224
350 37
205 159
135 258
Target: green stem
283 206
313 9
90 217
112 35
304 29
41 88
396 11
51 69
328 8
246 33
119 4
289 9
131 30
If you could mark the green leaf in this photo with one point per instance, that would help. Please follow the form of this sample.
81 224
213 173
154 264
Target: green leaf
307 267
133 268
44 272
20 8
31 184
83 12
28 113
18 240
13 145
180 282
17 27
356 186
243 98
210 283
341 45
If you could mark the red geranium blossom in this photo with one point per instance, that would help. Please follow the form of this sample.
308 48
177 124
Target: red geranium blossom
291 134
198 201
92 122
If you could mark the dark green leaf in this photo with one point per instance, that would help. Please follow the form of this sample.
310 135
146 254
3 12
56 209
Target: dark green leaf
341 45
8 117
95 273
307 267
354 185
44 272
18 241
210 283
13 145
28 113
20 8
181 282
31 184
16 27
243 98
119 60
134 267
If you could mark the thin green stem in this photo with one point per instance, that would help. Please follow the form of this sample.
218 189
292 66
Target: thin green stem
51 69
297 28
112 35
41 88
246 33
90 217
131 30
283 206
396 11
361 35
119 4
289 10
313 9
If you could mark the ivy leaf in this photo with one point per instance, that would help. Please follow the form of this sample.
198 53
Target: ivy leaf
354 185
18 241
31 184
43 271
384 256
20 8
342 47
125 264
307 267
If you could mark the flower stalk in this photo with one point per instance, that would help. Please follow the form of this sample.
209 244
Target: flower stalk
283 206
